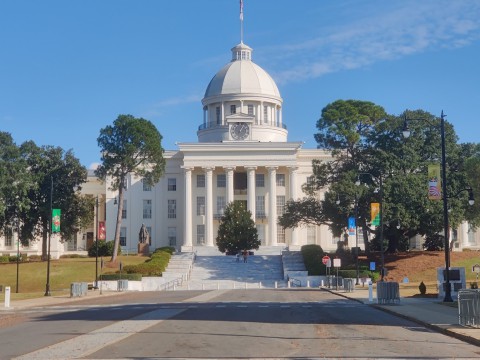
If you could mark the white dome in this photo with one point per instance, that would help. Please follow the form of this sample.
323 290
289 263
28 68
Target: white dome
242 77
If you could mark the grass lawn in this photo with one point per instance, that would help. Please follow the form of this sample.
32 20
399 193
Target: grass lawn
33 275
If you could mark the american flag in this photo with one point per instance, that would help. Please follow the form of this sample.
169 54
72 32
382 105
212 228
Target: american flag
241 10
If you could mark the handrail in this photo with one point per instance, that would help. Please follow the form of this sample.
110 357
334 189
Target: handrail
172 283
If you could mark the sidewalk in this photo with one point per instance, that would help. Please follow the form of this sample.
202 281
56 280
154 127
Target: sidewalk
430 312
54 300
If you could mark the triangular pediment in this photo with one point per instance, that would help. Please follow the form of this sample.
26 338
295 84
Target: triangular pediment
239 117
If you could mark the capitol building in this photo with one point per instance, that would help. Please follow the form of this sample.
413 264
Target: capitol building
242 154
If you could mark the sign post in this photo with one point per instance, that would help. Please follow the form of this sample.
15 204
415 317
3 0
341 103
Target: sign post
327 263
337 263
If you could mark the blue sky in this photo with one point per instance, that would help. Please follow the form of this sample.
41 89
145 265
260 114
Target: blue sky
69 68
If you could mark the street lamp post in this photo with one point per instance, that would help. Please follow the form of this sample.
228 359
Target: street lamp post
96 243
18 251
446 229
356 241
382 256
49 223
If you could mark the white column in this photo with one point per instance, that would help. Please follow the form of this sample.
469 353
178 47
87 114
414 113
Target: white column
230 194
251 190
272 205
209 207
222 114
187 241
292 171
464 227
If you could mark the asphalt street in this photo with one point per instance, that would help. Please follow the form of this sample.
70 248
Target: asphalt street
289 323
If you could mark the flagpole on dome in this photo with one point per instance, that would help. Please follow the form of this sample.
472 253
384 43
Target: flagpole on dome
241 21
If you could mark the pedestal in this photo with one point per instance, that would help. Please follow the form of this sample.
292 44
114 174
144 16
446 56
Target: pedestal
143 249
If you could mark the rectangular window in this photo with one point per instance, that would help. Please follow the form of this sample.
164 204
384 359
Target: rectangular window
280 234
200 234
149 229
123 236
147 209
8 237
172 209
201 180
200 205
221 205
261 233
280 205
217 115
260 206
233 109
250 110
311 234
259 180
471 235
280 179
172 236
146 186
124 210
265 114
172 184
221 181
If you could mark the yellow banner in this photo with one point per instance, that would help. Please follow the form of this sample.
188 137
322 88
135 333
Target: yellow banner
434 182
375 213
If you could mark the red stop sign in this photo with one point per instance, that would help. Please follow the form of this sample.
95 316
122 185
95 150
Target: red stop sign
325 260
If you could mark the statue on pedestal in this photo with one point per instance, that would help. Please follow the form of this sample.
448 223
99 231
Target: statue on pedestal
143 241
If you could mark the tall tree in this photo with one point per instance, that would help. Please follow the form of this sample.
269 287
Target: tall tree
130 145
368 143
14 183
237 229
56 174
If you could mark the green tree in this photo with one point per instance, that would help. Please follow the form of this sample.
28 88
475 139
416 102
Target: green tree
14 184
367 144
130 145
237 230
57 175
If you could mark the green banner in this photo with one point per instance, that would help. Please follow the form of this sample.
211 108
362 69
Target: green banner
56 220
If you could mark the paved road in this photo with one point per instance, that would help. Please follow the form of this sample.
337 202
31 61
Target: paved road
221 324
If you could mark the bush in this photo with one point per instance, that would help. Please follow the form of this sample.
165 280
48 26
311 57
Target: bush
35 258
105 248
312 258
154 266
118 276
4 259
73 256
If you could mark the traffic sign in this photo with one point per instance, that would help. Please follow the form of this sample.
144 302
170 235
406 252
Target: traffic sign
325 260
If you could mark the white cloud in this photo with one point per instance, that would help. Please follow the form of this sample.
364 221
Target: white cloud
391 32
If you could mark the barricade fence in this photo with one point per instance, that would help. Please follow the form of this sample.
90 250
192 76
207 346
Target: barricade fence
388 292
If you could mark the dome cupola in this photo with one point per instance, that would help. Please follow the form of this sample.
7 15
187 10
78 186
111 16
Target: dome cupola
242 95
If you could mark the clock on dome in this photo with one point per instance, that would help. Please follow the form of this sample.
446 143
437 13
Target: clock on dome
239 130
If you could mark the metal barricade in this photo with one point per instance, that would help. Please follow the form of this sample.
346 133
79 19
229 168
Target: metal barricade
122 285
349 285
78 289
469 307
333 281
388 292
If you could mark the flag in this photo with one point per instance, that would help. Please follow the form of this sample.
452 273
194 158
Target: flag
434 189
56 220
241 10
351 225
375 213
101 230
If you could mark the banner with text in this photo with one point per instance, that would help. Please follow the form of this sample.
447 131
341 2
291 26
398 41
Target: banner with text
434 183
375 213
56 220
101 230
351 225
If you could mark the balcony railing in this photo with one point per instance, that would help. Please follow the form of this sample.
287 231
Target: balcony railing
212 124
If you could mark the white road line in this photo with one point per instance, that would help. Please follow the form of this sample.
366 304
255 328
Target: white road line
87 344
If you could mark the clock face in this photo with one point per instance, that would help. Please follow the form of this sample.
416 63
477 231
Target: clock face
239 131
